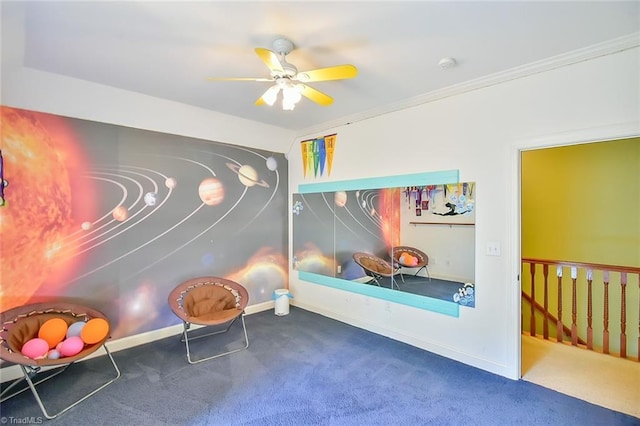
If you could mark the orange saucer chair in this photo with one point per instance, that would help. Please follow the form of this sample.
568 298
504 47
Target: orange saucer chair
50 322
376 267
209 302
422 260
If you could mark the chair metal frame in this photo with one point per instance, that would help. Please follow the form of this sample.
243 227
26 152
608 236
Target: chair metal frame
375 275
33 369
176 298
423 260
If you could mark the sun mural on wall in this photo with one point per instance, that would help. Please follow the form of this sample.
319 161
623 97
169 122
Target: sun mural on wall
45 165
116 217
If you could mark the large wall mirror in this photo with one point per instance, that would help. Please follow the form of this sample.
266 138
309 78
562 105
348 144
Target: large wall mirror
409 239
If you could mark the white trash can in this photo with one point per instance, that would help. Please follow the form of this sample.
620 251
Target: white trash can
282 301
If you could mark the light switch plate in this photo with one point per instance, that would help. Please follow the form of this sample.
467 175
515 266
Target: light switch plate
493 248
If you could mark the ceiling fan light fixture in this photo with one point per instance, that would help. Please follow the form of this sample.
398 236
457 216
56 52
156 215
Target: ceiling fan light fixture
288 105
292 94
271 95
284 76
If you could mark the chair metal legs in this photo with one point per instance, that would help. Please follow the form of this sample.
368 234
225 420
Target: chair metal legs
185 339
31 372
374 278
426 269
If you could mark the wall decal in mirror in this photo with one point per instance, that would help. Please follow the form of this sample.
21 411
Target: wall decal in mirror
365 236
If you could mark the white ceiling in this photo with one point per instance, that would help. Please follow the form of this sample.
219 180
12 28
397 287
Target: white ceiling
168 49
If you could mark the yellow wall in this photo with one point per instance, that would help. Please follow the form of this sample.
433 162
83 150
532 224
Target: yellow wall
582 203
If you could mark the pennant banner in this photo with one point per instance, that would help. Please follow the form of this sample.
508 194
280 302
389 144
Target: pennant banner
317 155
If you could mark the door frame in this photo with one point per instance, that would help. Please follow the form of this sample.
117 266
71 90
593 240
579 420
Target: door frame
591 135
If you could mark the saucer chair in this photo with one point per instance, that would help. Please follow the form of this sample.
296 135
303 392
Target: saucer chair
376 267
21 324
209 302
423 260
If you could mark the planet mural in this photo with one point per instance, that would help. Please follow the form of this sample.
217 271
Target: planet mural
171 183
151 199
211 191
272 163
247 175
120 213
340 198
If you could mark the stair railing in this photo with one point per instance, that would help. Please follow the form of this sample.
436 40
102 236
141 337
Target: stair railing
586 288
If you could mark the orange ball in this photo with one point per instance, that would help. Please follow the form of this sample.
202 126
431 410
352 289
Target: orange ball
94 331
53 331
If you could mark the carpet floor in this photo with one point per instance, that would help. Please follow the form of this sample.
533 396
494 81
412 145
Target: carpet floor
302 369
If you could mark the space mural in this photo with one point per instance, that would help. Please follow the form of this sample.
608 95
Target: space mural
115 217
329 227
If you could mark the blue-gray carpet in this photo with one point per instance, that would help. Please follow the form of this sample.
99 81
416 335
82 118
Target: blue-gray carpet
305 369
435 288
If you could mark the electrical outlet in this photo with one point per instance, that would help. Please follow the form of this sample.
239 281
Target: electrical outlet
339 269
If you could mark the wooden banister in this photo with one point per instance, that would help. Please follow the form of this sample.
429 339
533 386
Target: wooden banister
581 295
583 265
550 316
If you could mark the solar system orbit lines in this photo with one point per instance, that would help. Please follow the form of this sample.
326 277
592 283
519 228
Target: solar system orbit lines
97 225
223 216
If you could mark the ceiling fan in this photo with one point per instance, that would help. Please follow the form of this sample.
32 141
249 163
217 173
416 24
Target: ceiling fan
289 81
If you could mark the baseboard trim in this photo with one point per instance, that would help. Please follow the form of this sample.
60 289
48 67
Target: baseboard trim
13 372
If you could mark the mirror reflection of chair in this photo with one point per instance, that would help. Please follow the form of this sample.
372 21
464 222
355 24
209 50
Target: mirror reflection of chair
209 302
422 260
376 267
22 324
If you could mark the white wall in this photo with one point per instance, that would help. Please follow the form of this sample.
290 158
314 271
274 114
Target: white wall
479 133
451 248
56 94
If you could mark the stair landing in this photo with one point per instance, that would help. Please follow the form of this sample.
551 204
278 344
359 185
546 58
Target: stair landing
603 380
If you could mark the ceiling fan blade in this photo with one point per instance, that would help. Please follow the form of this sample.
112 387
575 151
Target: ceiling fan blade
238 79
270 59
339 72
316 95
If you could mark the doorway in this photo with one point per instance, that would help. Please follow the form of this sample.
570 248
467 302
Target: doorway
547 179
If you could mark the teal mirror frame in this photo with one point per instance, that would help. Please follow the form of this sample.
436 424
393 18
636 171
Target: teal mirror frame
422 302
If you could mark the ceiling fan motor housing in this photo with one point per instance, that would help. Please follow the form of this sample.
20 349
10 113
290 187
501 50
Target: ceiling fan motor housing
282 46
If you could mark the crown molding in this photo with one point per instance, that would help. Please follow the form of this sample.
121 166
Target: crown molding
554 62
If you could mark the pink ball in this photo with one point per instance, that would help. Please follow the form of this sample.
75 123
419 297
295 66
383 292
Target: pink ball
35 348
71 346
